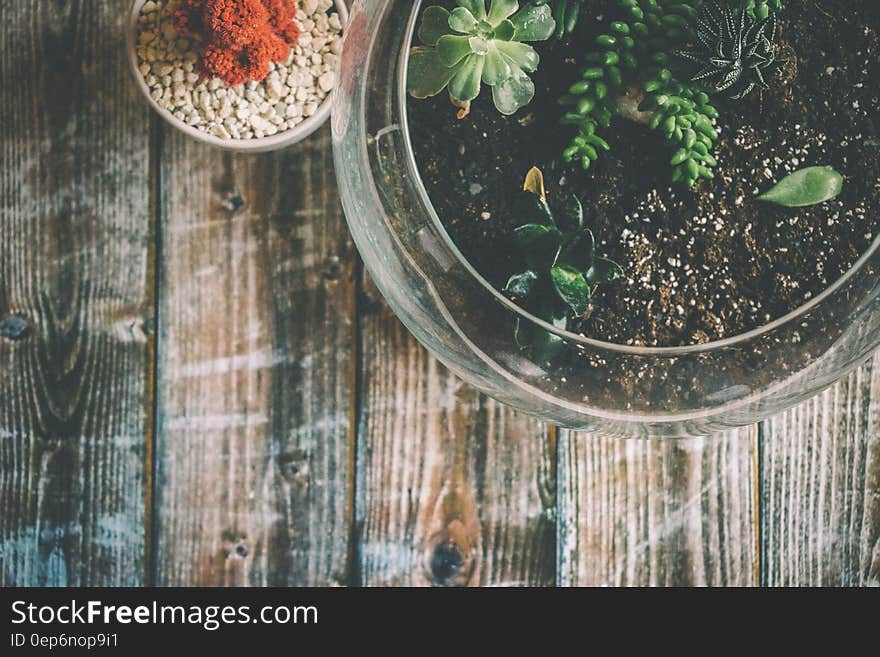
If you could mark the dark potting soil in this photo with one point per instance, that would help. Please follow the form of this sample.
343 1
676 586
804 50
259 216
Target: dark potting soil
701 264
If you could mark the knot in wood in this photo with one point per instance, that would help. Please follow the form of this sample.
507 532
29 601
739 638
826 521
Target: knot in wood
332 269
233 203
449 558
295 465
14 328
235 545
446 564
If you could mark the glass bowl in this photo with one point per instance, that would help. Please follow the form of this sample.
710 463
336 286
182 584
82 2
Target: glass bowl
469 325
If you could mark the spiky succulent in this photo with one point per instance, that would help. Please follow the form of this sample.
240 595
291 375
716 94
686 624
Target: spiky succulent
735 52
470 45
561 270
566 13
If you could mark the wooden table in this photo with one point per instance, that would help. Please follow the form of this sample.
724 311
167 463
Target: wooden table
200 386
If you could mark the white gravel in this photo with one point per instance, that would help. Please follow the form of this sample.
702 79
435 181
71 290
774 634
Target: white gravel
293 91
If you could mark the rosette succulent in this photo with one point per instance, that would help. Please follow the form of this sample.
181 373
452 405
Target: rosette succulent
471 46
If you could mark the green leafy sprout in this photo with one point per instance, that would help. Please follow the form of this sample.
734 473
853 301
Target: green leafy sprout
470 46
629 72
561 270
805 187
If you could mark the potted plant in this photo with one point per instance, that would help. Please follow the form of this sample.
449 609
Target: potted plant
650 212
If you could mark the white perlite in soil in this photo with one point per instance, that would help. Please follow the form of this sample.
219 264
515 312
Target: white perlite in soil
293 91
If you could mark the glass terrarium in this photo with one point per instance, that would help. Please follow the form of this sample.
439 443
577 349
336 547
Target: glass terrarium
475 329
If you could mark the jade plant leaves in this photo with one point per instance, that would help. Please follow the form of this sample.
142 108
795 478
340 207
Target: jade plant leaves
472 46
809 186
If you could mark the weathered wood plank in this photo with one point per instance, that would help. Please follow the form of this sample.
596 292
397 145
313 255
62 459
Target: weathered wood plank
661 512
454 489
74 298
820 515
256 369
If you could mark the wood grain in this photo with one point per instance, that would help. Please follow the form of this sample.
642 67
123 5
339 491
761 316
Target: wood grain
661 512
820 512
74 298
255 375
454 489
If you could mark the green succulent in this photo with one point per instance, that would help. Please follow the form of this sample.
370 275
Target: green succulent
470 45
630 71
759 9
561 270
566 13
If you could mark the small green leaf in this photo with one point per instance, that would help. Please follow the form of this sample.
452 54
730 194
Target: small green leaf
531 208
543 345
435 24
539 244
476 7
504 31
572 288
496 69
521 285
462 20
465 84
515 92
520 54
453 48
427 75
534 23
571 214
806 187
501 10
579 251
527 235
479 45
604 271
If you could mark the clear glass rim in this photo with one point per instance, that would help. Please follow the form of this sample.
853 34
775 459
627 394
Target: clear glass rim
576 338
